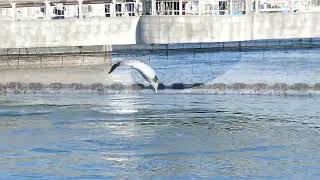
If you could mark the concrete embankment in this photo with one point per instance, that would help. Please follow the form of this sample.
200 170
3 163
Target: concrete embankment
195 29
68 32
157 30
72 42
77 51
56 64
16 58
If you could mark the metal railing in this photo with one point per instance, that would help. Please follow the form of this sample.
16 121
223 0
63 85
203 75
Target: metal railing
5 13
164 7
168 8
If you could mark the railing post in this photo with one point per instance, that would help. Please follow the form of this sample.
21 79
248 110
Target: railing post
153 7
180 7
256 3
231 7
292 6
80 9
13 11
47 9
139 7
113 8
248 6
199 7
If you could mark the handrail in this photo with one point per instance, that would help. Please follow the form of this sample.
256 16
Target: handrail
133 9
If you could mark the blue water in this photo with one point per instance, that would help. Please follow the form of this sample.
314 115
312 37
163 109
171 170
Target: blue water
170 135
261 66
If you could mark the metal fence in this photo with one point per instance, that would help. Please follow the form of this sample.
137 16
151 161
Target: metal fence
161 7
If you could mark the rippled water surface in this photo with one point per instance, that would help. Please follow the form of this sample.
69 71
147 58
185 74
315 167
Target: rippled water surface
173 134
259 66
89 136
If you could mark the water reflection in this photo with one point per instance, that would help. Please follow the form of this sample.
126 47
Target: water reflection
170 135
264 66
164 135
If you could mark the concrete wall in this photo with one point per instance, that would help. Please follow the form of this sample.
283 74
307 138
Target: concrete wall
221 46
157 30
69 32
283 26
194 29
67 75
49 60
54 57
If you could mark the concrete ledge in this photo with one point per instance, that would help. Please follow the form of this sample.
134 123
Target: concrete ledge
54 57
237 46
56 50
45 61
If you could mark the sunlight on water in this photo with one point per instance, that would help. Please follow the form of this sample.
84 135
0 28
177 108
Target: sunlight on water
164 135
284 66
126 105
264 66
97 131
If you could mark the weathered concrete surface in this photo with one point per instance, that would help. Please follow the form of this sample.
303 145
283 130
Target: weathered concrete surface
284 26
157 30
68 32
67 75
54 57
45 61
59 65
194 29
56 50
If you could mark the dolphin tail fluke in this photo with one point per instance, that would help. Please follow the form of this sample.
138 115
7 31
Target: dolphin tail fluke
114 67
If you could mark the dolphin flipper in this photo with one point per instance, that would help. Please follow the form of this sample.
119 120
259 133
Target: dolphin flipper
114 67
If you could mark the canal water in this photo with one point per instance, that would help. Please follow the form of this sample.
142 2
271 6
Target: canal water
256 66
174 134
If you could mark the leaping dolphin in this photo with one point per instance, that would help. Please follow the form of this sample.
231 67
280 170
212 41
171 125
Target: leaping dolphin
145 70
